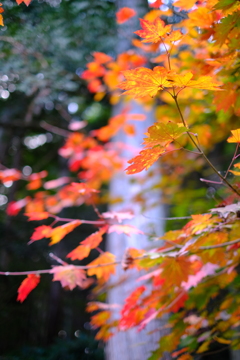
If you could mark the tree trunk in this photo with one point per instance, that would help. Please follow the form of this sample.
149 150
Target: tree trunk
133 345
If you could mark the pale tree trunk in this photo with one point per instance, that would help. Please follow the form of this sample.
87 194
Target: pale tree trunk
133 345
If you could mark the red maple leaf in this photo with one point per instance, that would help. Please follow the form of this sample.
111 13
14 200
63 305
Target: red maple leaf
124 14
27 286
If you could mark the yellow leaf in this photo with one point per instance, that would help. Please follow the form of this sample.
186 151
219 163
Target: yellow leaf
102 267
153 31
235 138
142 81
204 347
59 232
221 340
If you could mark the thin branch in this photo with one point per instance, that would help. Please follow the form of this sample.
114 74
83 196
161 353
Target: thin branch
233 159
54 129
211 181
219 245
60 261
200 150
117 262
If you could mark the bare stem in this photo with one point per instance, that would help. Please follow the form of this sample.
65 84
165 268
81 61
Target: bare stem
233 159
200 150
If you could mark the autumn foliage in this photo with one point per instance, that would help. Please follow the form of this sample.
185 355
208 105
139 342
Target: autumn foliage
194 75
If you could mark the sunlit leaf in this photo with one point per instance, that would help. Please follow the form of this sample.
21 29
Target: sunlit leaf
142 81
235 138
145 159
153 31
59 232
163 133
102 267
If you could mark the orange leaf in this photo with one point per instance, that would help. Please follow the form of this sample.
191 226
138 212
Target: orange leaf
235 138
1 20
174 36
142 81
184 80
94 239
124 14
27 2
82 188
91 242
59 232
33 216
101 58
41 232
81 252
144 160
70 276
153 31
27 286
176 270
10 175
185 4
101 270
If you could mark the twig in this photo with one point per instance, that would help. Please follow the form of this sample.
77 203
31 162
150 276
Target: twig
200 150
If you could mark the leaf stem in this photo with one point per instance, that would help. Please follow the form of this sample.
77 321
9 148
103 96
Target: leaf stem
200 150
233 159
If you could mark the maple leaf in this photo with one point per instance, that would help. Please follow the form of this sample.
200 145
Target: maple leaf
124 14
101 270
235 138
153 31
101 57
14 207
132 314
184 80
33 216
185 4
163 133
70 276
91 242
1 17
82 188
156 4
237 173
193 280
175 35
58 233
226 210
35 180
226 99
176 270
10 174
199 223
27 286
81 252
40 232
129 256
124 229
143 81
145 159
26 2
